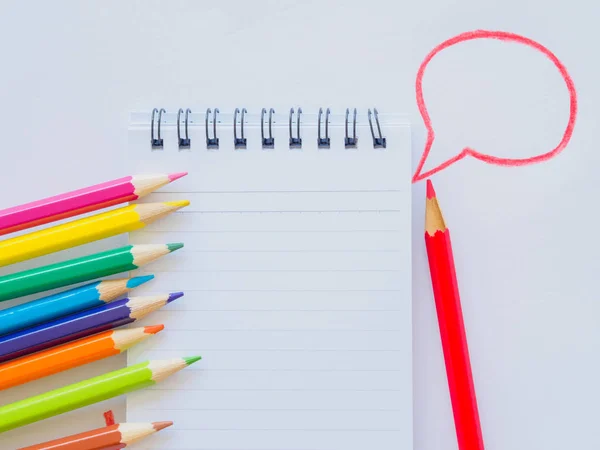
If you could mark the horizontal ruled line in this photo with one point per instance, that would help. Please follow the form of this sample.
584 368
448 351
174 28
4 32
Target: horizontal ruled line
280 390
220 448
299 211
284 271
292 350
365 191
294 429
312 330
284 290
294 251
278 231
298 370
273 409
280 310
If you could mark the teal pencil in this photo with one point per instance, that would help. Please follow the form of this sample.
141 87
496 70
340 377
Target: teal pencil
64 303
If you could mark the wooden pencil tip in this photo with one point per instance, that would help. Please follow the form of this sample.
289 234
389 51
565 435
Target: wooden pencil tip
153 329
176 176
161 425
430 189
434 219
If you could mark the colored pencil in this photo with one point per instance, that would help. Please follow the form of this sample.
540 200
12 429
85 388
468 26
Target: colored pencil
76 270
58 305
72 354
81 324
452 328
90 391
114 436
83 231
122 190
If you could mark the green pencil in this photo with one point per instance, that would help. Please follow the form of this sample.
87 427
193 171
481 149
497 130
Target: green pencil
89 392
81 269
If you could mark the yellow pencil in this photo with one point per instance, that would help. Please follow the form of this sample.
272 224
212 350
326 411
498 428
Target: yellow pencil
82 231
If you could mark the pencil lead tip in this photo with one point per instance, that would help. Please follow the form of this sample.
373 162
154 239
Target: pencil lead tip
153 329
430 190
176 176
175 246
138 281
161 425
174 296
178 203
189 360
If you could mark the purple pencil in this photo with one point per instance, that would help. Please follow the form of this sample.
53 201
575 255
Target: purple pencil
85 323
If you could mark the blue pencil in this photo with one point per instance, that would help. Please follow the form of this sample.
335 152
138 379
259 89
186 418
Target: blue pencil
81 324
58 305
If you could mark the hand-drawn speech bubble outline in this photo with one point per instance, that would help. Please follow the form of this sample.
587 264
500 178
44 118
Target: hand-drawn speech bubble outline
490 159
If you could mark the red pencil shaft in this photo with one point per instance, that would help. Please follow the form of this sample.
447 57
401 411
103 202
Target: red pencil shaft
454 341
99 439
66 215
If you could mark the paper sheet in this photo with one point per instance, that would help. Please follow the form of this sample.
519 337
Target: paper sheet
297 278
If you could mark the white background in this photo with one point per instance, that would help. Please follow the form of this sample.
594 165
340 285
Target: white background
525 241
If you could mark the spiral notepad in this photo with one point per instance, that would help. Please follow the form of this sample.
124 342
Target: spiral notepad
297 278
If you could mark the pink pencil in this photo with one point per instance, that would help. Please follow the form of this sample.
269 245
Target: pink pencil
84 200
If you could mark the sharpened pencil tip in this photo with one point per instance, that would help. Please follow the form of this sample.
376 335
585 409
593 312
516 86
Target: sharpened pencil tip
176 176
174 296
161 425
153 329
178 203
189 360
138 281
175 246
430 189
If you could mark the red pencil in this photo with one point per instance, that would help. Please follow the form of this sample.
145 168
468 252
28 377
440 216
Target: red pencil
112 437
452 327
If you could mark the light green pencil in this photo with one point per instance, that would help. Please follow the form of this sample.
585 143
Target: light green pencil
88 392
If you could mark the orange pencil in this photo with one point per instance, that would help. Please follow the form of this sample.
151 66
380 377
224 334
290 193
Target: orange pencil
72 354
108 438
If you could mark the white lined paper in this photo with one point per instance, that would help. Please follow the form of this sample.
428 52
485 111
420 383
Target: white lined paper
298 295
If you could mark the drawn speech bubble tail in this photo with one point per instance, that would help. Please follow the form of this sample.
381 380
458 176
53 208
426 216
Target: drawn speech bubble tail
490 159
421 173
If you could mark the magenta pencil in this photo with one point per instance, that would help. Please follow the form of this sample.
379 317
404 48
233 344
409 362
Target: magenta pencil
81 201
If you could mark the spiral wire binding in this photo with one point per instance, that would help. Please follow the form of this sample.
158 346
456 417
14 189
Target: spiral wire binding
323 142
350 142
378 142
183 143
295 142
267 142
156 143
212 143
239 142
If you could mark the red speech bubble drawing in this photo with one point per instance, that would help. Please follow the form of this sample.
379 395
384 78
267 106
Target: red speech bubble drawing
467 151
